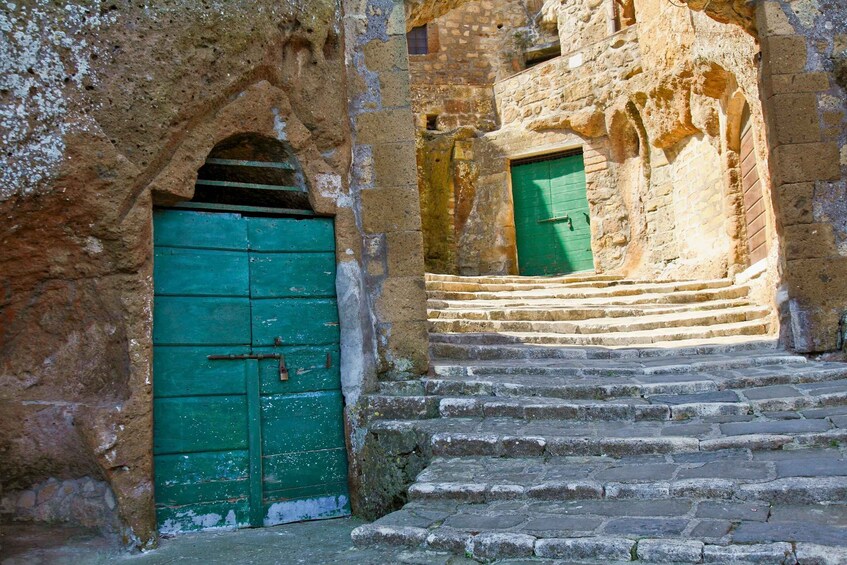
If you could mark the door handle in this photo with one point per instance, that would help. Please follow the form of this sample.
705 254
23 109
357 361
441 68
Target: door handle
564 218
283 370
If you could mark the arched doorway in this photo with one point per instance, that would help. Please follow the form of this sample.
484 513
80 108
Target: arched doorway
248 411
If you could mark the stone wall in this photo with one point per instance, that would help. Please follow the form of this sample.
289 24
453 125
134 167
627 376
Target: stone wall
81 502
653 108
804 56
106 110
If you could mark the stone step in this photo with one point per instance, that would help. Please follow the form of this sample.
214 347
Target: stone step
692 319
653 403
589 383
532 313
784 477
516 279
581 292
682 530
638 299
513 437
495 347
659 337
766 382
622 367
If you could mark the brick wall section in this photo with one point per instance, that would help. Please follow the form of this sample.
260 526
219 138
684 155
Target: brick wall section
572 82
471 48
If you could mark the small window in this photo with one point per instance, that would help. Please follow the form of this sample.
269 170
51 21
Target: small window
432 122
417 41
623 14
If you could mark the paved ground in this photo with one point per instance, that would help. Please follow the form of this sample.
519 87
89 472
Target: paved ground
312 543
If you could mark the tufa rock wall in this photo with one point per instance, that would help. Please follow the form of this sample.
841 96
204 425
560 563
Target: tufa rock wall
108 109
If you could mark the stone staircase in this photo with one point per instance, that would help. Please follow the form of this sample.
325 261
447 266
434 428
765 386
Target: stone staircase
590 310
592 419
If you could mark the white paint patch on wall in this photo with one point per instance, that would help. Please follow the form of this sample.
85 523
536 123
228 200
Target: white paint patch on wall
350 289
329 186
279 125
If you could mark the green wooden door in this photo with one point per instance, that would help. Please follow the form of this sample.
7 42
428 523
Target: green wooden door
234 444
551 216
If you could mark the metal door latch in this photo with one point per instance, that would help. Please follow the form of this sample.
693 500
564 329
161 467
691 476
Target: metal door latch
283 370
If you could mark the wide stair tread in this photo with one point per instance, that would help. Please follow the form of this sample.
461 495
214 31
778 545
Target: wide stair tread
447 291
597 325
681 530
661 335
502 347
799 477
648 298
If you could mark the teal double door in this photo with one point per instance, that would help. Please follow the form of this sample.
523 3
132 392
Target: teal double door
247 410
552 224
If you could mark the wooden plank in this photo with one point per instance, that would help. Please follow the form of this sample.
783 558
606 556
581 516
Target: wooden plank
182 228
338 488
202 516
200 272
313 508
307 370
279 275
194 424
254 433
242 163
304 470
181 320
291 234
180 370
242 208
756 224
253 185
756 210
759 252
302 422
182 479
295 321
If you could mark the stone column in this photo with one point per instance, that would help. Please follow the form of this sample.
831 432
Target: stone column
804 108
384 179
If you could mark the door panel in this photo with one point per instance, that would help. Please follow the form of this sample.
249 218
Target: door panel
279 275
189 480
187 371
179 320
178 228
308 418
552 221
300 321
288 234
234 445
307 367
199 272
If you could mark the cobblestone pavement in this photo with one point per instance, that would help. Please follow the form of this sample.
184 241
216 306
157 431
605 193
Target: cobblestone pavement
312 543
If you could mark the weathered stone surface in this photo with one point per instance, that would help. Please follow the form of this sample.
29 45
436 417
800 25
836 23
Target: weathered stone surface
668 551
612 549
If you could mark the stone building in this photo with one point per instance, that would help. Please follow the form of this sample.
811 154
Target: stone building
678 115
153 154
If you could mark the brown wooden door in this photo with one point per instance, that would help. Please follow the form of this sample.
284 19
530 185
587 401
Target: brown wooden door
754 203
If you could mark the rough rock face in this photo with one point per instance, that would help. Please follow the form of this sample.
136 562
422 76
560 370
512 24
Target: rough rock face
108 109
